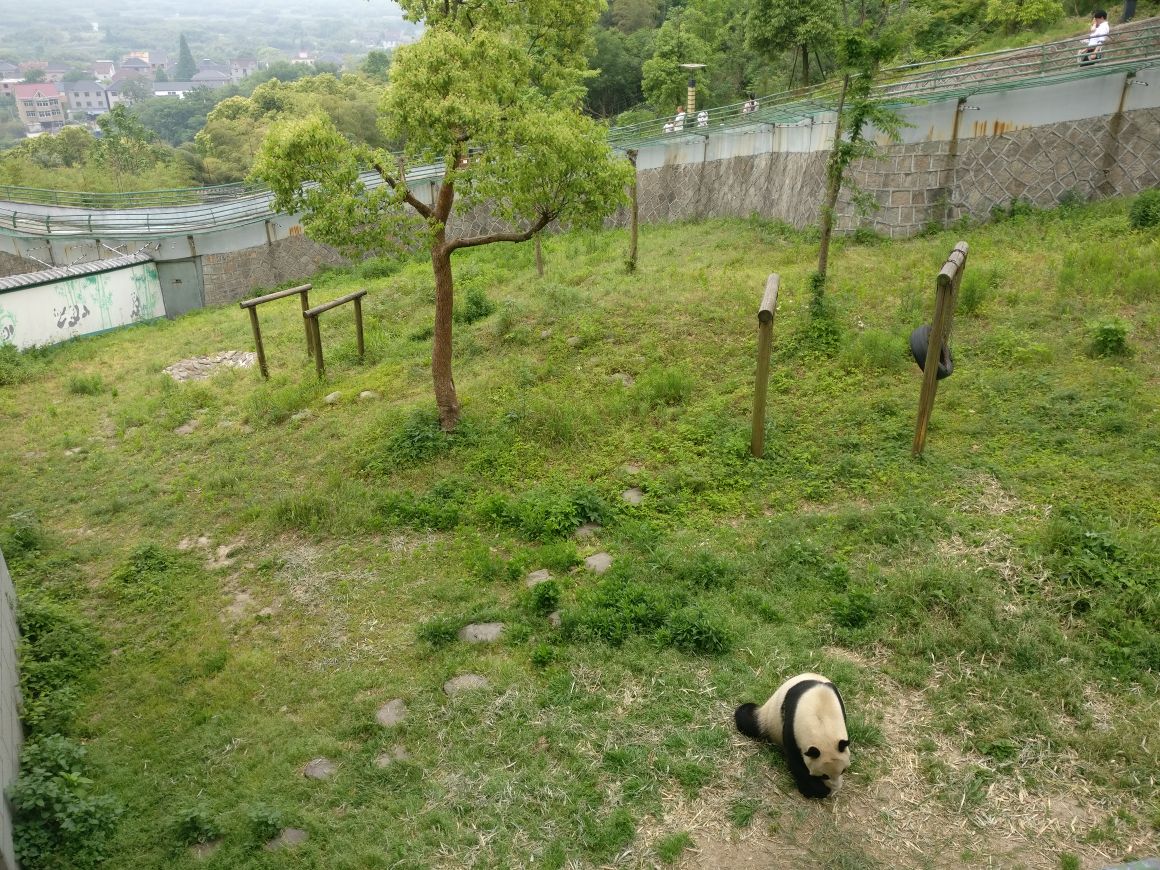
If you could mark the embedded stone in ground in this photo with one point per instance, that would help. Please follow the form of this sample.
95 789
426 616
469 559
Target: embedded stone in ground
546 333
391 713
635 495
199 368
573 341
320 768
464 683
287 839
391 756
624 377
586 531
598 563
535 578
633 467
331 398
554 619
481 632
369 394
188 427
304 414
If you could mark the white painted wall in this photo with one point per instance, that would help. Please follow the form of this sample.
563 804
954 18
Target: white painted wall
80 305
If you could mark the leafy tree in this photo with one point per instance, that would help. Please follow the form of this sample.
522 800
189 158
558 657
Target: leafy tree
632 15
177 121
617 62
663 81
804 24
160 75
1014 15
491 90
376 66
186 67
35 76
76 75
284 71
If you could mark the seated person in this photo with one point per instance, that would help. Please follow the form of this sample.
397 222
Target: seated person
1096 38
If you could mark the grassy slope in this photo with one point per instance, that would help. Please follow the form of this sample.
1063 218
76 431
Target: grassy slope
973 639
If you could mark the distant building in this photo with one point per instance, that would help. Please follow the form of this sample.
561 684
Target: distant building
40 107
240 67
104 70
54 72
213 77
86 98
115 90
304 58
9 70
135 65
8 85
180 89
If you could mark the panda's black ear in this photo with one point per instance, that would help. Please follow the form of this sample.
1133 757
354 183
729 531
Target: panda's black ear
842 744
814 752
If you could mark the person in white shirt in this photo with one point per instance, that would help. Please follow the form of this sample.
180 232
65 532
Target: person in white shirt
702 118
1096 37
679 120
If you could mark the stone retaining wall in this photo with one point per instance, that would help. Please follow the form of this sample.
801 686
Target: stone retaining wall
235 275
10 264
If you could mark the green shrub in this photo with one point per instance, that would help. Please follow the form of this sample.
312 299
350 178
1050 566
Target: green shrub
618 608
697 631
874 350
440 508
670 847
476 306
378 267
490 567
1109 337
544 597
264 823
1144 212
977 287
544 655
420 439
21 536
144 575
704 570
86 385
196 825
855 609
60 820
552 511
57 651
14 365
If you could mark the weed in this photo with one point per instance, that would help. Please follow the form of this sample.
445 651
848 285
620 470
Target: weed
544 655
145 574
697 631
742 811
21 536
263 823
60 819
476 306
441 508
553 510
196 825
15 367
439 631
86 385
874 350
1068 861
603 838
1109 337
1145 210
977 287
420 439
670 847
822 334
705 570
544 597
663 386
308 512
378 267
618 609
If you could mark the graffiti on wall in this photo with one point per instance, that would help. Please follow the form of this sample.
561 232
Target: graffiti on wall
7 327
73 310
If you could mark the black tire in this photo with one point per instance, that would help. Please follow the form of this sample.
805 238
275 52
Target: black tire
919 340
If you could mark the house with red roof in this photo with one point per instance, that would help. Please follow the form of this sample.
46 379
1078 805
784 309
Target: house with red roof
40 107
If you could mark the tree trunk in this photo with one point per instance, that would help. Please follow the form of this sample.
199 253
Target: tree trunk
805 65
833 186
539 257
445 398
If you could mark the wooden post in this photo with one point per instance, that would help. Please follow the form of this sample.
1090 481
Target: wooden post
304 298
634 214
539 257
258 342
319 365
358 325
764 343
946 293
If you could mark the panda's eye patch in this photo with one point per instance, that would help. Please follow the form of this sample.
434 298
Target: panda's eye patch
842 744
814 752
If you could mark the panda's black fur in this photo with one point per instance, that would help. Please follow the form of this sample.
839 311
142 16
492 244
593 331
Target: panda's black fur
748 723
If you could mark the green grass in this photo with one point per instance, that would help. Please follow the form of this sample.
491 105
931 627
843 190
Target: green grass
1002 591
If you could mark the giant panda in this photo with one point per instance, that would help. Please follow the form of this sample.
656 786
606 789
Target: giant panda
807 719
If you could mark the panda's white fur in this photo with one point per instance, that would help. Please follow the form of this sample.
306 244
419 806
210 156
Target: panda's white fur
806 718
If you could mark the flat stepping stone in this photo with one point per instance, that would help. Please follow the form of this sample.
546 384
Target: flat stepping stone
543 575
465 683
369 394
287 839
624 377
633 467
635 495
188 427
554 619
392 756
199 368
304 414
331 398
320 768
481 632
391 713
587 530
201 851
598 563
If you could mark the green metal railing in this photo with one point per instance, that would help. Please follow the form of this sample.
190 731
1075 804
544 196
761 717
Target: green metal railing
177 212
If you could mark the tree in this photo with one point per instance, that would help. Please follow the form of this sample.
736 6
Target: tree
34 76
160 75
617 60
186 67
492 90
805 24
76 75
376 66
632 15
662 79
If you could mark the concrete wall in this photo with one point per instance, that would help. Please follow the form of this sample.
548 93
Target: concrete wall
56 310
10 737
11 264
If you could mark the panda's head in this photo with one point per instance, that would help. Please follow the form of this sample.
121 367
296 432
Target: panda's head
827 758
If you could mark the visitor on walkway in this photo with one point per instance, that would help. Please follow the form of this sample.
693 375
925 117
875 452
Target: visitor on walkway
1096 38
702 118
679 120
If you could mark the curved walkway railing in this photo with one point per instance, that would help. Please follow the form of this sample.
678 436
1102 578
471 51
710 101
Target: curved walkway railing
166 213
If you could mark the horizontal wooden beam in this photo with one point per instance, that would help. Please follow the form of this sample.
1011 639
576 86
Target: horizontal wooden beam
334 303
270 297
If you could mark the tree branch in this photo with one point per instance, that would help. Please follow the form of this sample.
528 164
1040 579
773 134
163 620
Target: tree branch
401 184
476 241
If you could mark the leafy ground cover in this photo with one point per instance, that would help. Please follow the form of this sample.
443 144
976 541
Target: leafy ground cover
210 612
